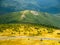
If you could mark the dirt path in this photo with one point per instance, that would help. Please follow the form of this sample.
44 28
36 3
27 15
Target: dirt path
23 37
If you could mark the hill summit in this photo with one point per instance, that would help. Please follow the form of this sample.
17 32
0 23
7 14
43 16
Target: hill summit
30 16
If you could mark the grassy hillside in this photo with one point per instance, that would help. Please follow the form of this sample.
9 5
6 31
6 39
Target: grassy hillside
32 30
30 17
29 23
28 30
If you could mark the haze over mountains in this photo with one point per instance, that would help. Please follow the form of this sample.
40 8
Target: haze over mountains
50 6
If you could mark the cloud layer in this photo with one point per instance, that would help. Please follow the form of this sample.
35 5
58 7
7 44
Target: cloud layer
30 4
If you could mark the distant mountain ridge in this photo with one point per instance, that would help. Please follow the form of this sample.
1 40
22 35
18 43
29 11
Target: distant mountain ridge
30 16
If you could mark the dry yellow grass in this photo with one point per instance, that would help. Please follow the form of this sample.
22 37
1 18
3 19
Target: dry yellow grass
29 30
29 42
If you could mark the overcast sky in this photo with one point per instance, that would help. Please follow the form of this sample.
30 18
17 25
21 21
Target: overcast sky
16 4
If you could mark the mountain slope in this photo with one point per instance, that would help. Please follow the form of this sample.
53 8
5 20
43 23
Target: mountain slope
30 17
